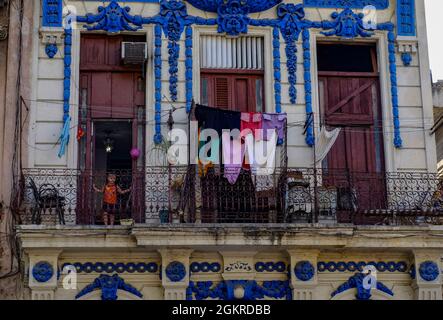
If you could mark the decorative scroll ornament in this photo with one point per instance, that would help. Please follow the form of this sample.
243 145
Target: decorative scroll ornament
112 18
109 286
291 25
428 271
239 290
356 281
346 24
42 271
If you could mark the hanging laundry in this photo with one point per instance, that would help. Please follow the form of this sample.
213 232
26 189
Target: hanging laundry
233 154
275 121
325 142
218 120
251 121
261 156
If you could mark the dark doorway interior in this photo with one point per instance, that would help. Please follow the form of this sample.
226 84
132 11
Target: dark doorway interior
117 137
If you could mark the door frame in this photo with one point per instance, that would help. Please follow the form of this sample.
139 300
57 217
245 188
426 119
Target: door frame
380 40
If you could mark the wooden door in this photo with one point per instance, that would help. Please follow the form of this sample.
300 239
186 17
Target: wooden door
355 164
237 90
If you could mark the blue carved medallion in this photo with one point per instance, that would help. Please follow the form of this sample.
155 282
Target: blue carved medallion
175 271
428 271
304 270
42 271
406 57
51 50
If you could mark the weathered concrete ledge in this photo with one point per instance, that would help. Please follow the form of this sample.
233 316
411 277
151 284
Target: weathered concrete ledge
232 236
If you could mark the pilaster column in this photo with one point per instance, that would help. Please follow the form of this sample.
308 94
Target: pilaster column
175 272
43 273
428 280
303 273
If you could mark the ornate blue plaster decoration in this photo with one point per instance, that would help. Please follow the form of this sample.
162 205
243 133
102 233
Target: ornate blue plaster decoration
175 271
346 24
65 135
109 286
110 267
304 270
290 24
270 266
352 266
224 290
356 281
310 139
428 270
398 142
406 57
52 13
113 19
158 138
173 16
42 271
232 17
189 68
277 70
252 6
406 18
355 4
196 267
51 50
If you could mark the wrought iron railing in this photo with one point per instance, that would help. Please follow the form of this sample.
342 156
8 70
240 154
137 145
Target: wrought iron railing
186 195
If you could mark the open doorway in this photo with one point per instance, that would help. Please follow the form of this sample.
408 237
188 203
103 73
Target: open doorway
349 91
111 116
113 141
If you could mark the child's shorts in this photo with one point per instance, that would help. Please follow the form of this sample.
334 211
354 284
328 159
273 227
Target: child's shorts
109 208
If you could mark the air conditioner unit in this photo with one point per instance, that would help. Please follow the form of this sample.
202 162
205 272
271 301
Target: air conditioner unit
134 52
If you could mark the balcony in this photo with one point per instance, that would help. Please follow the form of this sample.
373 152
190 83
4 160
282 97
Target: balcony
182 195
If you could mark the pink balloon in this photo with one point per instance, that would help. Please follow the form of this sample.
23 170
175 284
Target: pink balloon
135 153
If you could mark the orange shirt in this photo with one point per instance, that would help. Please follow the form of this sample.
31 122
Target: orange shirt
110 194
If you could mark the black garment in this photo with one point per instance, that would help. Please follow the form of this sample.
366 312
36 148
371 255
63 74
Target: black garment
217 119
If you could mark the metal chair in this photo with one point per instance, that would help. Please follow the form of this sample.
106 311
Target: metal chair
46 197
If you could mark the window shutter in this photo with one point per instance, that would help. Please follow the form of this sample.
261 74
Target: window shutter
222 92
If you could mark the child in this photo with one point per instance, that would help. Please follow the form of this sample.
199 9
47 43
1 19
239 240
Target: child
110 191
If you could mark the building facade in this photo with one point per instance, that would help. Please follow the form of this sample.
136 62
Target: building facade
110 80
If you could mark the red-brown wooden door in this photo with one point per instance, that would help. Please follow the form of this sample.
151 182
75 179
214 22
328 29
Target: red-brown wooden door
355 164
109 91
237 90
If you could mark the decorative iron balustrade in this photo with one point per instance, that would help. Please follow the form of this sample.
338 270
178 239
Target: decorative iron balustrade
186 195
